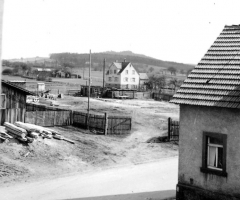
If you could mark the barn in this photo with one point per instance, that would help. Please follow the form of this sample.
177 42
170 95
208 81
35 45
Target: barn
13 102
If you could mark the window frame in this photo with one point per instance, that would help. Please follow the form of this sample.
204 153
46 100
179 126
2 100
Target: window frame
205 168
126 71
115 79
133 80
110 79
126 79
133 72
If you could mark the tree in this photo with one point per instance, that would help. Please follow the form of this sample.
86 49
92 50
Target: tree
175 83
156 82
151 69
172 70
7 72
182 71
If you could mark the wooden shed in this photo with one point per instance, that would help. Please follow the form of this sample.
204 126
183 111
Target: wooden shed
13 102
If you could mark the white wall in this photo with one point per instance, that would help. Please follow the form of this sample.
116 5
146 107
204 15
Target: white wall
130 75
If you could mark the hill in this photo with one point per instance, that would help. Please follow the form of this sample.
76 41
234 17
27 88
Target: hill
140 61
32 60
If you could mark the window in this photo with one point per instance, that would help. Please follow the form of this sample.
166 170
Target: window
109 78
126 79
126 72
214 153
133 79
115 71
116 79
133 71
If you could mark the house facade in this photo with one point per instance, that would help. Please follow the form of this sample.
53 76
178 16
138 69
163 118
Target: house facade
209 142
122 75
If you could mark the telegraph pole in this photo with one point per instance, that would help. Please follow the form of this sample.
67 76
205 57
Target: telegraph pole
89 88
104 64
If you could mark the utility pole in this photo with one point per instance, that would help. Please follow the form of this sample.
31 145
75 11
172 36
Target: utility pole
84 68
104 64
89 88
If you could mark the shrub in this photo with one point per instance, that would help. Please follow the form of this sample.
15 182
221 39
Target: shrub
7 72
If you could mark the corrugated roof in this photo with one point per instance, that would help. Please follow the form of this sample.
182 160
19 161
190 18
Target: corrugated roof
215 81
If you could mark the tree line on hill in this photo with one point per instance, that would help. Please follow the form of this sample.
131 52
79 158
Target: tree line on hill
30 70
80 60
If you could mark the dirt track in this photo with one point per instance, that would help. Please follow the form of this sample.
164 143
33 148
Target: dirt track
138 182
54 158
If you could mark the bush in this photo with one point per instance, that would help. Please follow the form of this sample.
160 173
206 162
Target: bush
7 72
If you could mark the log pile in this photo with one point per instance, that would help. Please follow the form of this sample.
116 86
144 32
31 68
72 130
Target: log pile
29 133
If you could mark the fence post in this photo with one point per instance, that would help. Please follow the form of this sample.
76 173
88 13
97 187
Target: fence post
54 121
71 117
169 128
106 123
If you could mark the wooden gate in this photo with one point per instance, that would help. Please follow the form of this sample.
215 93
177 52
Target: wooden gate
173 130
118 125
49 118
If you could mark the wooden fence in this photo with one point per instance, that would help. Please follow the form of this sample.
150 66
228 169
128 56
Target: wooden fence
99 123
173 130
96 122
49 118
103 124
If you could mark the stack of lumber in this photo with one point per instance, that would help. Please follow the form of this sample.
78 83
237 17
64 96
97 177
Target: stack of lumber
3 134
16 132
34 128
28 132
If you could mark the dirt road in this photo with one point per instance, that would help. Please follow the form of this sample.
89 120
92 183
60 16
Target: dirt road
159 178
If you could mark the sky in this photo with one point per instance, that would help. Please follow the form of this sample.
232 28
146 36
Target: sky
172 30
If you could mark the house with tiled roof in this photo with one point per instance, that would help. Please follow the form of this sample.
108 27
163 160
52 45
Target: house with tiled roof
122 75
209 141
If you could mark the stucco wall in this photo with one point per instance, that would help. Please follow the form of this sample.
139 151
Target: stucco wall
112 75
129 76
193 121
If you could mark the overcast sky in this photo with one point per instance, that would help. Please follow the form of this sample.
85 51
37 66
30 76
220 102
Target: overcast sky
174 30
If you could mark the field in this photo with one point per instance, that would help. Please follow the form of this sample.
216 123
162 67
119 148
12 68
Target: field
53 158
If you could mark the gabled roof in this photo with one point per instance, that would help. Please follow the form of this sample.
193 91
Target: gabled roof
124 65
118 65
9 84
143 76
215 81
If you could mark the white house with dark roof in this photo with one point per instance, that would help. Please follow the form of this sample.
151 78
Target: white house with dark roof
122 75
209 139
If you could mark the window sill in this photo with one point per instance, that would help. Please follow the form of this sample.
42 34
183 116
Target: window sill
212 171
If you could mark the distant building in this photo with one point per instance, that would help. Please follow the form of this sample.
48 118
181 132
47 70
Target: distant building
209 142
122 75
143 78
